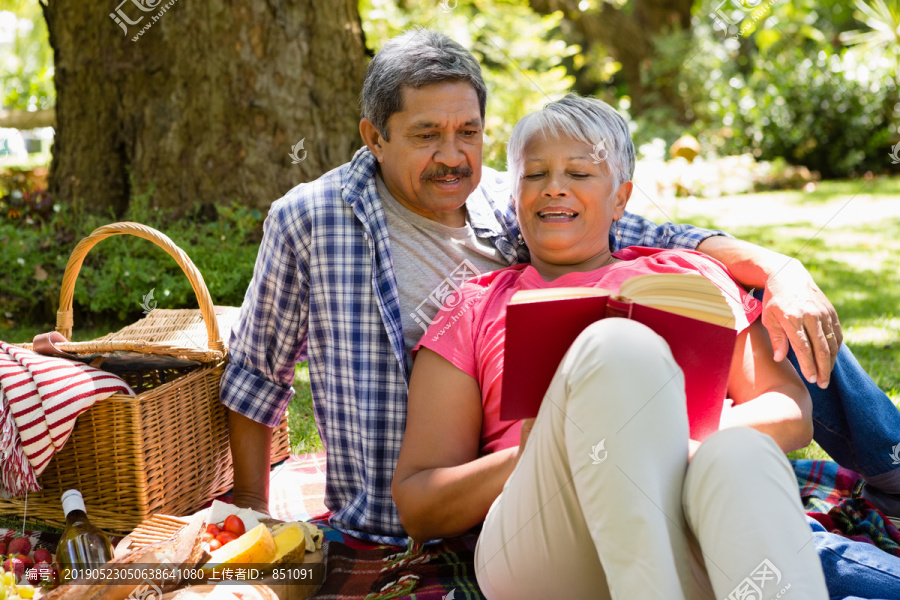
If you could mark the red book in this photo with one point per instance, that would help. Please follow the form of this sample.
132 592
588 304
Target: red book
688 311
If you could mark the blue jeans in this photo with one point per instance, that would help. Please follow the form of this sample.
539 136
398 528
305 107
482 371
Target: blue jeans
855 570
857 425
855 422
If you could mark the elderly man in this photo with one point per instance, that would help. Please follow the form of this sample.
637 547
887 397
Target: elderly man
354 266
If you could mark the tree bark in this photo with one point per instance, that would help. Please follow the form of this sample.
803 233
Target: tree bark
201 102
628 36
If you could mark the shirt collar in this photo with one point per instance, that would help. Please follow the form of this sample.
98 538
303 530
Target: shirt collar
492 192
359 176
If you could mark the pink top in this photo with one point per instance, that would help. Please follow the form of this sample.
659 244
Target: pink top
469 330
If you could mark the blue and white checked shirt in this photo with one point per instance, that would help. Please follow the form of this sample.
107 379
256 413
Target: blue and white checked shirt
324 290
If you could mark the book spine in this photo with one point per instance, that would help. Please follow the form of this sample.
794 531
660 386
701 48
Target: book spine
619 306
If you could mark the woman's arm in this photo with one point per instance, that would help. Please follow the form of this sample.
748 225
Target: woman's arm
441 486
768 396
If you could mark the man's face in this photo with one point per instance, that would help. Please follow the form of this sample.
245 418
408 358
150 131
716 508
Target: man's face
433 160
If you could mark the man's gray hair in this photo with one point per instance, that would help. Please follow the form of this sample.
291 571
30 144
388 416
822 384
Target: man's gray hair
588 120
416 58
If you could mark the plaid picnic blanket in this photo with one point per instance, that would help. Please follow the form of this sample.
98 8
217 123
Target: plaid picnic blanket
357 570
444 570
831 496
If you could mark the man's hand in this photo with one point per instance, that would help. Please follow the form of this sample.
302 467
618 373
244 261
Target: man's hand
797 313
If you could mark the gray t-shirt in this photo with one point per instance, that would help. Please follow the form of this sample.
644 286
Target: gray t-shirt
431 261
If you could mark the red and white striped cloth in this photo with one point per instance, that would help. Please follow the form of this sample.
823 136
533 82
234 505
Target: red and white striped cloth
40 398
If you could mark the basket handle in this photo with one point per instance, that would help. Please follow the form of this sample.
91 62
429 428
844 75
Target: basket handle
64 320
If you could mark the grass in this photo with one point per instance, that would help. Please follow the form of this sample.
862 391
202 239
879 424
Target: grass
828 191
301 420
25 332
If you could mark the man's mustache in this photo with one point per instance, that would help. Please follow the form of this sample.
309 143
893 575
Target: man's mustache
447 172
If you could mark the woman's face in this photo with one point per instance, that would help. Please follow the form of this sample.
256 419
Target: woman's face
566 203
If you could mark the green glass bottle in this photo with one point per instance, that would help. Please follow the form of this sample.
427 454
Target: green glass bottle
82 545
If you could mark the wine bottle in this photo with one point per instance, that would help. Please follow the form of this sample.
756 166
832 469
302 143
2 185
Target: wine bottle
82 545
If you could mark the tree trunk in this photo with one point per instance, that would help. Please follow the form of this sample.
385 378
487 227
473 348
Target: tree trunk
628 36
201 102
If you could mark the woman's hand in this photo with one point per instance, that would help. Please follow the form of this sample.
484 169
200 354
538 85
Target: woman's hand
527 426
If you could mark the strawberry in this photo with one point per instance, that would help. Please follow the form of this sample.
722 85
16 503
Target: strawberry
17 565
2 548
42 555
20 546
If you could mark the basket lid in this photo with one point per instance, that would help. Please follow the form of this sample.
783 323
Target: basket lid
164 339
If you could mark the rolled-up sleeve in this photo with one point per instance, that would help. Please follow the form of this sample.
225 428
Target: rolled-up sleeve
269 338
635 230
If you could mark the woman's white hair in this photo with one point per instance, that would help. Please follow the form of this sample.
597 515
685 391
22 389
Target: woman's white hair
588 120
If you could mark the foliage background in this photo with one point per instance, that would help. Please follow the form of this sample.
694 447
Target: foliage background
26 59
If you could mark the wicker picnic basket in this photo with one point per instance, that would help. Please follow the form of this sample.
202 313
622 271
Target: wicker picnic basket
166 449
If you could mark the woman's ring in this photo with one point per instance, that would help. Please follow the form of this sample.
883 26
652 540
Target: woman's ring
829 336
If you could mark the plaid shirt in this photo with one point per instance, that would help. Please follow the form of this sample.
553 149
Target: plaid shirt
324 290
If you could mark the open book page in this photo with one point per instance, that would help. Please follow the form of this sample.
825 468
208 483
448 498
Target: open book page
689 295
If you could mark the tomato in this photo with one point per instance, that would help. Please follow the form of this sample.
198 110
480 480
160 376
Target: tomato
213 529
207 536
226 537
214 545
233 524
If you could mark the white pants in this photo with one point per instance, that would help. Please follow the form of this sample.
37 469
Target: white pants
633 520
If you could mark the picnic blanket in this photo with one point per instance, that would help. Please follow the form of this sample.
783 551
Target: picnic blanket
356 570
832 496
40 398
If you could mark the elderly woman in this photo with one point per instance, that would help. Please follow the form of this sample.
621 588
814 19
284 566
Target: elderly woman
653 514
